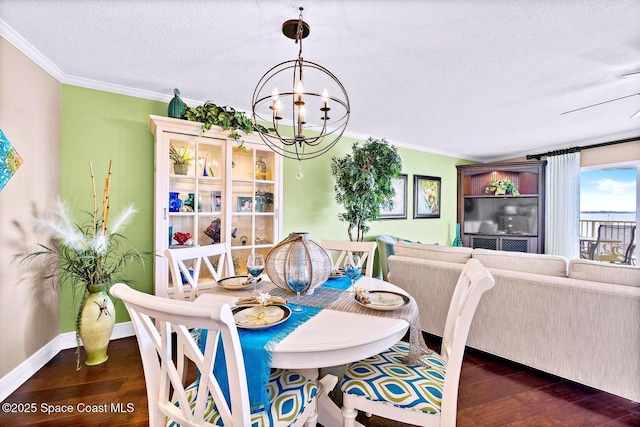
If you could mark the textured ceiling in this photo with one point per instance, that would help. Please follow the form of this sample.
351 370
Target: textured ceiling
483 80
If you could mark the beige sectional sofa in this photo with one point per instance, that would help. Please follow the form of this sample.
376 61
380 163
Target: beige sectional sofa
576 319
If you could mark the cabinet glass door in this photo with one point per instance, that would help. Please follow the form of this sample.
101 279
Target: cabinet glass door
196 193
253 216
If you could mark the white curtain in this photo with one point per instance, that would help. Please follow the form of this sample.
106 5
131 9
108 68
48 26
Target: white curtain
562 216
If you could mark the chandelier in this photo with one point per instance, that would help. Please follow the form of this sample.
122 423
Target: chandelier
304 121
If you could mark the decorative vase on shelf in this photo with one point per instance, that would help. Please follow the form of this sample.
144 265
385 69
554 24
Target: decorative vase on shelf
96 321
190 202
261 169
174 202
177 107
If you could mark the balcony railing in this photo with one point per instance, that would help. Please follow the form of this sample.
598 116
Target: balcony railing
589 230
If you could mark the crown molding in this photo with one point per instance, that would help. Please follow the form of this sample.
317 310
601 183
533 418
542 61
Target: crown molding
31 52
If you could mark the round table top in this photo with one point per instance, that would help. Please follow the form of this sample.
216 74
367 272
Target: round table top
334 337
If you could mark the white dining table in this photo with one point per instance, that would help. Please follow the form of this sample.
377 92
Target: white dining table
331 338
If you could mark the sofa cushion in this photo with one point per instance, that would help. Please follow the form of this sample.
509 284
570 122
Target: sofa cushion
548 265
597 271
433 252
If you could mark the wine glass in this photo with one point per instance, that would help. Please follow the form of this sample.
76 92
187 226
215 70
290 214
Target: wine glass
352 269
297 280
255 266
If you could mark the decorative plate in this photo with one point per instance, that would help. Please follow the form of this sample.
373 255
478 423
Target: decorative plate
260 317
235 282
384 300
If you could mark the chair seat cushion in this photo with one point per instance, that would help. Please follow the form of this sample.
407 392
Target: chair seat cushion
384 378
289 395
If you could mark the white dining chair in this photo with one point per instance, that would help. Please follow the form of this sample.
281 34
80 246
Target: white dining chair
344 248
292 397
416 394
188 283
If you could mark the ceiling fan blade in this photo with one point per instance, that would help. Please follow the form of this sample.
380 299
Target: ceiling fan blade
633 74
600 103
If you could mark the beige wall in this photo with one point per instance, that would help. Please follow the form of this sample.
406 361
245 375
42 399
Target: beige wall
610 155
30 102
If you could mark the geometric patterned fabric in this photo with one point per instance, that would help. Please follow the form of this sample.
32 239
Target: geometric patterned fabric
384 378
289 394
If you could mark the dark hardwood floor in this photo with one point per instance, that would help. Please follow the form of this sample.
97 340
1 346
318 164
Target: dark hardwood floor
493 392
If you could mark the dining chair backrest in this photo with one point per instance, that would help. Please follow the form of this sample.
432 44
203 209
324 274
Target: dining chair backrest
615 243
187 275
475 279
418 394
346 248
154 319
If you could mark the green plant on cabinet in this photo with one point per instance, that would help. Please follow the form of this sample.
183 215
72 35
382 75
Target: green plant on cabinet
210 114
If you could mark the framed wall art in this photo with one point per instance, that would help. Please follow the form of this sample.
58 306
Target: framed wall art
399 210
426 196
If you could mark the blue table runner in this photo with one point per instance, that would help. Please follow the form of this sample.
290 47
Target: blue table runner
256 347
257 344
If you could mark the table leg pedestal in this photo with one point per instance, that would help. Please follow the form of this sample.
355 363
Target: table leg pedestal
329 414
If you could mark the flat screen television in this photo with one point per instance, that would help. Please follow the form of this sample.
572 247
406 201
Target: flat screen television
501 215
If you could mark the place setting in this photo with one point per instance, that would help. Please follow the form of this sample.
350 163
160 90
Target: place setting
381 300
259 312
255 267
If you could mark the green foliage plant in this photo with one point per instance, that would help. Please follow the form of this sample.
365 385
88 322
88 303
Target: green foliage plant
265 196
502 186
180 157
210 114
363 183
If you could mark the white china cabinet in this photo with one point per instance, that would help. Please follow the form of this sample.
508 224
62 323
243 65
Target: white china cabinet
228 194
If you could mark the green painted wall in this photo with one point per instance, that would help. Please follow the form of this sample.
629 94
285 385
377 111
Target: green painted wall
309 204
98 126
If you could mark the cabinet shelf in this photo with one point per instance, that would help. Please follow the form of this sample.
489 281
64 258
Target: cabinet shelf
493 196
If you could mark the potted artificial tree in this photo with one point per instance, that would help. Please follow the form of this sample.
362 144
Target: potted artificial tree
363 183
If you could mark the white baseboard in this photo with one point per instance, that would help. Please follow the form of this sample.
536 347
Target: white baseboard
121 330
21 373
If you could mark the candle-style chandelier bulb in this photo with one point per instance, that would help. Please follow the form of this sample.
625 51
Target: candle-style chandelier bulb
292 129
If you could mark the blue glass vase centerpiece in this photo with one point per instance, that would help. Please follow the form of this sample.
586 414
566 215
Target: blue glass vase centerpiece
174 202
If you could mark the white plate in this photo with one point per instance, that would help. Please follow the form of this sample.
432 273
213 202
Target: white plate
384 300
260 317
235 282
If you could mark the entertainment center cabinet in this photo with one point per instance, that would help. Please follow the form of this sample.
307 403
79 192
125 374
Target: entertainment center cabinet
502 222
